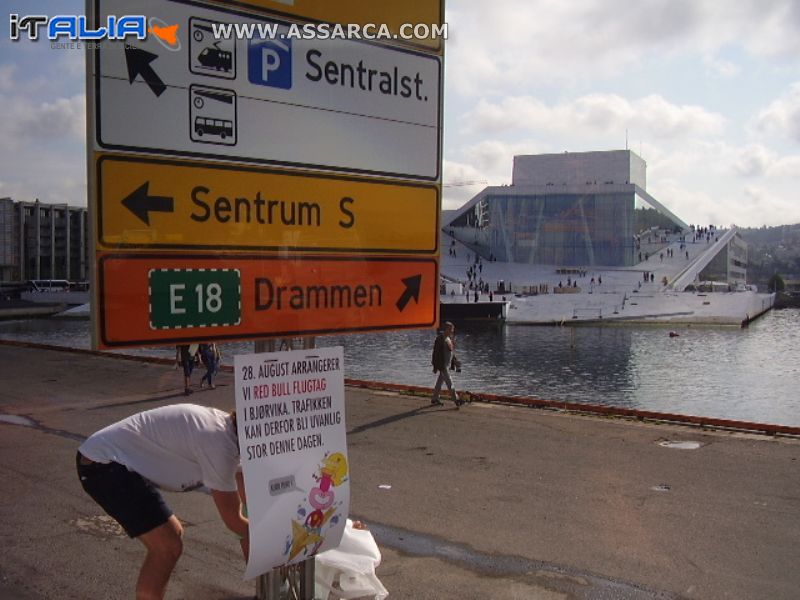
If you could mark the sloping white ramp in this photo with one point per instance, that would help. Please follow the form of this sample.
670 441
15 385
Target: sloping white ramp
701 261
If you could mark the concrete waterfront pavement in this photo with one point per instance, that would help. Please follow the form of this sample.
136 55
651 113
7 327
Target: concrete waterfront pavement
491 501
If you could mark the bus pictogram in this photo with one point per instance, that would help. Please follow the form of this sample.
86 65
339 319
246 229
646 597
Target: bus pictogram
212 114
219 127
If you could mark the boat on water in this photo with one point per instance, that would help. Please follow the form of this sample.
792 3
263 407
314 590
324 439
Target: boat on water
41 298
55 291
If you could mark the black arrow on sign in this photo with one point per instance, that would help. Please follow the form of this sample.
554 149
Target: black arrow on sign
139 64
413 285
140 203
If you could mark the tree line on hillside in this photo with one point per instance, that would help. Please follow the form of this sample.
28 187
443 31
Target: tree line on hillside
773 255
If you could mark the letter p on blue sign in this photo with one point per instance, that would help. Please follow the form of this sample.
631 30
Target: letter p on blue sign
269 62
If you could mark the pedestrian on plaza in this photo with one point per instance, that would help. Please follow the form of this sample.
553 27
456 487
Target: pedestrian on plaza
179 448
442 360
185 356
210 357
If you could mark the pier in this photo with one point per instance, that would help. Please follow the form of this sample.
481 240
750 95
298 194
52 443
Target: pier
491 501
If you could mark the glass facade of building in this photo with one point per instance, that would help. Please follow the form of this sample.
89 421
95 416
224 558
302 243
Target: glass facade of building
608 228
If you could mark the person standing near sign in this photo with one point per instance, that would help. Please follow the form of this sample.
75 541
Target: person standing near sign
185 357
442 359
178 448
209 356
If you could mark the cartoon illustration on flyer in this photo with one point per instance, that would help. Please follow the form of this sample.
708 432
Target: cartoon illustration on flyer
320 512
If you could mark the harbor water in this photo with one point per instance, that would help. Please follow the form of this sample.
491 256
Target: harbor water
750 374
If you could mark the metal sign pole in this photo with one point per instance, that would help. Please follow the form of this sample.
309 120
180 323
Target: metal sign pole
268 586
299 579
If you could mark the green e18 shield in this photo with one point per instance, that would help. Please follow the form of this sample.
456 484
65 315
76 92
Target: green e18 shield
185 298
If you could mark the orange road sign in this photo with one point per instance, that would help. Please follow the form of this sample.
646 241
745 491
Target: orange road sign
160 203
150 299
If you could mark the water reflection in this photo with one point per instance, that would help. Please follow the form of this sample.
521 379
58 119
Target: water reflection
743 374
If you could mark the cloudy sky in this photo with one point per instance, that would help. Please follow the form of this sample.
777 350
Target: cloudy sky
706 91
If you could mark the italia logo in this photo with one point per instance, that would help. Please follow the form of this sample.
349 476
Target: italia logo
77 28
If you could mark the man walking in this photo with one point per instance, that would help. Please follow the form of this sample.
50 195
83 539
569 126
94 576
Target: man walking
443 349
185 357
179 448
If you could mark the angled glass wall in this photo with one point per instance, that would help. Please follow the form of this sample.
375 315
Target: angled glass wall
563 229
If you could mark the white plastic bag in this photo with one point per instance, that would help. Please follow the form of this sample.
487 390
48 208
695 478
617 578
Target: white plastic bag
349 570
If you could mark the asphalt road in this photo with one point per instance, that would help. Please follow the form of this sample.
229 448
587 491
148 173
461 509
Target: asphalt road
490 502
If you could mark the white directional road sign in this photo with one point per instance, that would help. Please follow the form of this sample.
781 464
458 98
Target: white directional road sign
343 105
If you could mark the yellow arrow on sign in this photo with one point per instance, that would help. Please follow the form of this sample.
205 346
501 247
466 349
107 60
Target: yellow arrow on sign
152 203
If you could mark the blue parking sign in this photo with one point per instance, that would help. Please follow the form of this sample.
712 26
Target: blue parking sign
269 62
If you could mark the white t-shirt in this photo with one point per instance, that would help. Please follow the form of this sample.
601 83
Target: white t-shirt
178 447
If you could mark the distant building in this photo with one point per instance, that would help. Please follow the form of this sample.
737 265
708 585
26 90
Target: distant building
570 209
792 285
43 241
729 264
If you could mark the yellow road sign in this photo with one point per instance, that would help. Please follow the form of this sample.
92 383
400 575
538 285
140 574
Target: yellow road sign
156 203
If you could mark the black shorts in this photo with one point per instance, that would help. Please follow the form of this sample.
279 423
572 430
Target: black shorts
126 496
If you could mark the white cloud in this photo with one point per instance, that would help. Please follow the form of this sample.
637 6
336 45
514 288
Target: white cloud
770 28
721 68
765 206
756 160
788 166
782 116
494 158
747 206
37 109
42 92
51 179
692 205
461 182
44 156
594 113
702 183
48 120
753 161
509 41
